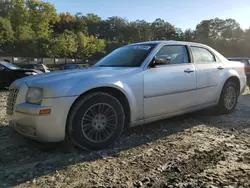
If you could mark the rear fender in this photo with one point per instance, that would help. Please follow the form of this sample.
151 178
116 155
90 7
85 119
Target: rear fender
224 78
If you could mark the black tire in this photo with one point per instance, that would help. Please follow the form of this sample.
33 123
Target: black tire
222 107
80 114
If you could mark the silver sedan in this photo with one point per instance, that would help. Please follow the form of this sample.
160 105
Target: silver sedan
135 84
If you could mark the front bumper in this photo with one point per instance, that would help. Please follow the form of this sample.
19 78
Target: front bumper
47 128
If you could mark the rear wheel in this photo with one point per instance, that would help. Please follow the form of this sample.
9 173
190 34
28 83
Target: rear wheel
228 99
96 121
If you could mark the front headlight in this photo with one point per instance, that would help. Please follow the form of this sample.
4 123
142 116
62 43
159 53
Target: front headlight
34 96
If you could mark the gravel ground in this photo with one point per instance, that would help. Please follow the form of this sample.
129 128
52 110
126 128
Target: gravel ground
194 150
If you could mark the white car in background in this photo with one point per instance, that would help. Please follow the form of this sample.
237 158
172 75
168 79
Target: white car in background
35 66
135 84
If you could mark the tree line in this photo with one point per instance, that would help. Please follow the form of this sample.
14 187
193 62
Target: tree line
33 28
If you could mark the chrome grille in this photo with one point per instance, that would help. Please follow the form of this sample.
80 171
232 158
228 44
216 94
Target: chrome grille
13 92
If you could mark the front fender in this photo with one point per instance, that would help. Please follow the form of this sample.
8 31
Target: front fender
122 87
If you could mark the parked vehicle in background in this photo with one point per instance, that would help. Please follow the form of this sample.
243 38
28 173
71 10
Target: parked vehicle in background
6 60
75 66
246 61
40 67
9 73
133 85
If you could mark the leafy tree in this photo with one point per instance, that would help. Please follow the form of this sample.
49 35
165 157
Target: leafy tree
162 30
33 28
189 35
137 31
112 28
144 30
41 17
63 45
6 32
218 29
89 45
93 21
71 23
5 6
25 32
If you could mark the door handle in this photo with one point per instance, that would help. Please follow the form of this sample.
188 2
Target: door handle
220 68
188 71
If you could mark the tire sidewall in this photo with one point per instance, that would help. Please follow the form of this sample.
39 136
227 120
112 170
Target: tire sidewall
222 106
75 130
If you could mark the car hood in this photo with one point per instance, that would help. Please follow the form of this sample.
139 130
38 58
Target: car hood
60 82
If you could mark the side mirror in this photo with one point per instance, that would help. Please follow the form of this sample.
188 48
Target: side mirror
162 59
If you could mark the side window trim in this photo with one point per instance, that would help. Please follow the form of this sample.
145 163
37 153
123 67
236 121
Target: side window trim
188 54
215 59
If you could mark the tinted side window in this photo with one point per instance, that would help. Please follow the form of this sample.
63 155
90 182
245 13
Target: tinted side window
202 55
28 66
177 53
38 67
25 66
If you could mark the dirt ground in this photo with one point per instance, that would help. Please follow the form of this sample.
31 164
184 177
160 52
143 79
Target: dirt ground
194 150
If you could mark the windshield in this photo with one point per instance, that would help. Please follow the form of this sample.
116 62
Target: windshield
10 66
128 56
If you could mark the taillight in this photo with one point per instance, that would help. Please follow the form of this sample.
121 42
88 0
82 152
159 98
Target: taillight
248 69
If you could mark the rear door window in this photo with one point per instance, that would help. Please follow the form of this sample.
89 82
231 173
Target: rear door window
202 55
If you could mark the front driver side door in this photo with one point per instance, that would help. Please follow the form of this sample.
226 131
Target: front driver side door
170 88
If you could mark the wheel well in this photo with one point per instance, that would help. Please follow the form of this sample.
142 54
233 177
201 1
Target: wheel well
235 80
115 93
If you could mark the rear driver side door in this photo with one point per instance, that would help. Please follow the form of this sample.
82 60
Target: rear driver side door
209 72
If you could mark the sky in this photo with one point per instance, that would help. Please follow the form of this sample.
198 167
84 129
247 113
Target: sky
181 13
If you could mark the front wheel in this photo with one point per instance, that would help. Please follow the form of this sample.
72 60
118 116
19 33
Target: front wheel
96 121
228 99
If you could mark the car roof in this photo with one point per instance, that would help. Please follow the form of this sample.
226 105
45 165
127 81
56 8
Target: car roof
171 42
